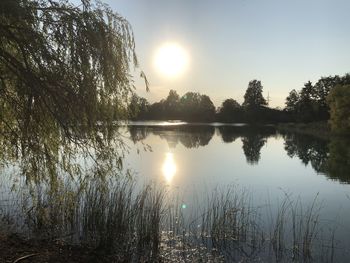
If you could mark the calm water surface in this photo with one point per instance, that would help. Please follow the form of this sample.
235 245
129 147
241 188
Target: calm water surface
191 160
194 159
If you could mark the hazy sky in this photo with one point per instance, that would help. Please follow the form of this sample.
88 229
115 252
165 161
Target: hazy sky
283 43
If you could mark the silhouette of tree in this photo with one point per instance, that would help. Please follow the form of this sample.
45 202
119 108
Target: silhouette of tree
310 104
206 108
171 105
292 101
196 107
138 108
230 111
253 97
156 111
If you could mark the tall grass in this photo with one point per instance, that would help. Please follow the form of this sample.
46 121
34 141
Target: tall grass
146 224
111 217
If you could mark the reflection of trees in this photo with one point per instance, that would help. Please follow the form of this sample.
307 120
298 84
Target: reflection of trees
308 149
171 137
331 158
190 136
137 133
253 138
252 145
228 133
339 159
195 136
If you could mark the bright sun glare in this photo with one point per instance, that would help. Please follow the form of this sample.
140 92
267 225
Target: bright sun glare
171 60
169 167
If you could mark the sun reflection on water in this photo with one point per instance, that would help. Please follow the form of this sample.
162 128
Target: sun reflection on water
169 167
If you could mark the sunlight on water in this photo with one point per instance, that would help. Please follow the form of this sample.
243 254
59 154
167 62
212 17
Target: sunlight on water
169 167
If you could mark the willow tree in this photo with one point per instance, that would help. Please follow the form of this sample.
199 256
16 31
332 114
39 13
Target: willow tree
64 74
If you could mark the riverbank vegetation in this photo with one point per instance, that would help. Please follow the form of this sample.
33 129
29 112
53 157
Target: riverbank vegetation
326 100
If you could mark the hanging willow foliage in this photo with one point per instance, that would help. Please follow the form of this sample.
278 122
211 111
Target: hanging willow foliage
61 64
64 73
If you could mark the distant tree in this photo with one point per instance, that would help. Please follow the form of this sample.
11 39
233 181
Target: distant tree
322 89
230 111
171 105
253 97
310 104
196 107
292 101
156 111
307 107
339 102
138 107
206 108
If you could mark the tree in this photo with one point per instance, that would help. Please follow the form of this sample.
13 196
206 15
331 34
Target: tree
59 62
292 101
230 111
206 108
138 107
339 102
60 67
253 97
171 105
196 107
307 106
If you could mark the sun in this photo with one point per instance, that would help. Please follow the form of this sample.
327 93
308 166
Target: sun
171 60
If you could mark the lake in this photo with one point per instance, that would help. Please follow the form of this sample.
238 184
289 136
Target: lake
283 176
194 159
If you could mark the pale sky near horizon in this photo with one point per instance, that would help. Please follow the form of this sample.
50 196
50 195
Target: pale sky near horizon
283 43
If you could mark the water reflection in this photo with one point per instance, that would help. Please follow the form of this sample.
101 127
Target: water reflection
338 163
169 168
330 157
308 149
188 135
252 145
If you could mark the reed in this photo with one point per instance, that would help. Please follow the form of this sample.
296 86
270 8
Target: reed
148 223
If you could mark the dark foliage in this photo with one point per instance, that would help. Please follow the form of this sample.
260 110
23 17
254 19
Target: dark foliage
310 103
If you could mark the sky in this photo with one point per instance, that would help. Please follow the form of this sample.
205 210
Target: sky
283 43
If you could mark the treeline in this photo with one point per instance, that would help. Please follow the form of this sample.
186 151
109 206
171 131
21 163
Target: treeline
328 98
197 107
313 102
